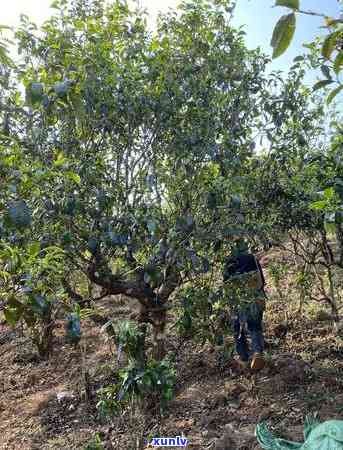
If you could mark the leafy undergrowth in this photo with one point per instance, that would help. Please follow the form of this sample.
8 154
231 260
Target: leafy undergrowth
215 406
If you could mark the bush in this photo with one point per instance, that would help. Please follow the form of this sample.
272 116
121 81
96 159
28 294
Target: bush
154 382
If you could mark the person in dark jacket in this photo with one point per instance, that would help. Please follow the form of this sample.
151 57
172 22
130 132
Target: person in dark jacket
243 269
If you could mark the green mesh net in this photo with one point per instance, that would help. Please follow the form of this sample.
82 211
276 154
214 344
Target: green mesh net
317 436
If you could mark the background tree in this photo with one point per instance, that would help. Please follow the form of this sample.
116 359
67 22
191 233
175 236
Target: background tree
298 196
330 57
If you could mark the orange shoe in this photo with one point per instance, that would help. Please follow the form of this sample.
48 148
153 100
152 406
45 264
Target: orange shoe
257 362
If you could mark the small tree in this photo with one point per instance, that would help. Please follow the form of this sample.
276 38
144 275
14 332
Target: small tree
130 146
298 200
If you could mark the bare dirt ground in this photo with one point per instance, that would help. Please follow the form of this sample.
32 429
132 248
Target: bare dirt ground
215 406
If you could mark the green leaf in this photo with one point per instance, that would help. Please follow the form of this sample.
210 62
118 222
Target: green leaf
78 105
55 5
319 205
151 225
329 193
70 205
20 214
4 58
61 88
293 4
338 63
12 316
34 248
339 217
39 304
34 93
330 227
73 327
321 84
60 160
331 21
333 94
283 34
66 238
13 303
329 45
73 177
93 245
298 58
326 72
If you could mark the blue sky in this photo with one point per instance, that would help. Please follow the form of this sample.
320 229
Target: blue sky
258 16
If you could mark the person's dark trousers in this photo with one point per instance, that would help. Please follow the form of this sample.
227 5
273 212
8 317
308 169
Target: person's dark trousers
248 322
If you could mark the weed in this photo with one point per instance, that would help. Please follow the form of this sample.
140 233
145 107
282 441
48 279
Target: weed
95 443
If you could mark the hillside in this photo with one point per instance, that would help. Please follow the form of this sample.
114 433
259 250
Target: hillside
215 406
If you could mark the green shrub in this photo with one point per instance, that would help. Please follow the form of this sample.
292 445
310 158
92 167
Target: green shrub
95 443
155 382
